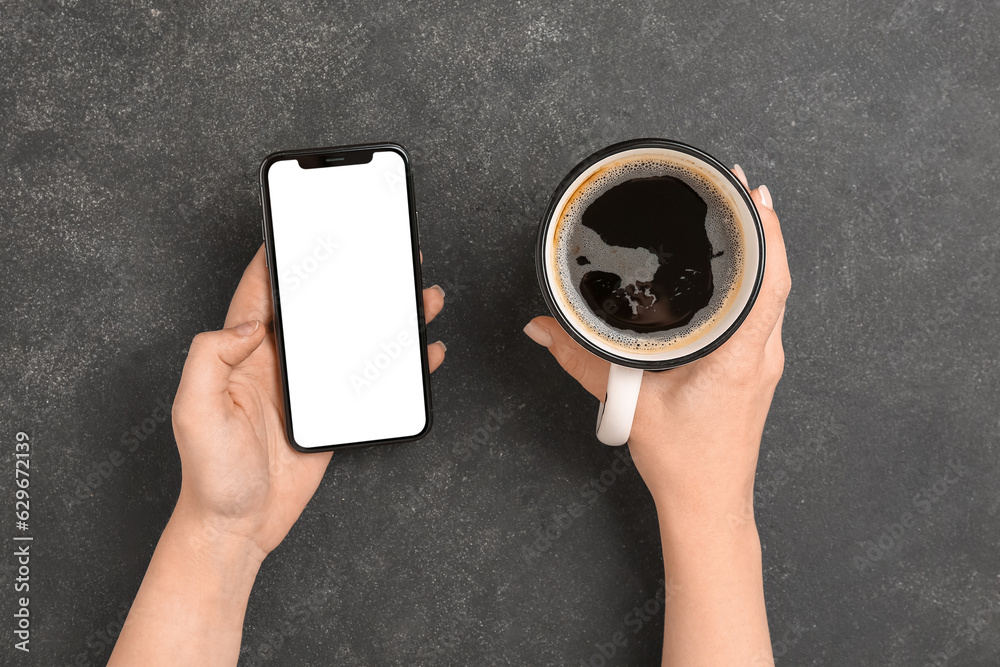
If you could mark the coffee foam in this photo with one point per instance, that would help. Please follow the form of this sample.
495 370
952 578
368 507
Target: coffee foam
573 239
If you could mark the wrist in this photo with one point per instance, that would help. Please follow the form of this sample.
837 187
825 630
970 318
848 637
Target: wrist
723 539
192 602
214 542
705 509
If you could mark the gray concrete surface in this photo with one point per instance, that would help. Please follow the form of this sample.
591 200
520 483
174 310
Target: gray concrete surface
131 135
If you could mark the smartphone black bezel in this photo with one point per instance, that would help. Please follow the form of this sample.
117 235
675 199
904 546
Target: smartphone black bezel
343 156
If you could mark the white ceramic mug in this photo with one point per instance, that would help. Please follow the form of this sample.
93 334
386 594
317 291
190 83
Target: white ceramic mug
616 412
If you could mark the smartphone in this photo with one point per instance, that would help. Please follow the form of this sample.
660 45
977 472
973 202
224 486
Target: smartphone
343 254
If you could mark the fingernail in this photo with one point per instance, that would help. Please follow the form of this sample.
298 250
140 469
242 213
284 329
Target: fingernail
441 343
438 288
765 195
537 333
248 328
739 174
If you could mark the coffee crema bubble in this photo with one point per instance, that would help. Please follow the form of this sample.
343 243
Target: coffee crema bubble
649 253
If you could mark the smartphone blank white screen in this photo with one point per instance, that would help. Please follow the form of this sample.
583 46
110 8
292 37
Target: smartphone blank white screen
344 251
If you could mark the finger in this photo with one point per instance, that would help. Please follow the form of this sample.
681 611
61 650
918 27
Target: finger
590 371
435 355
776 282
252 300
433 302
738 171
210 362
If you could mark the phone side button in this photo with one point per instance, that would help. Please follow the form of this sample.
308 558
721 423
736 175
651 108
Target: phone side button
263 238
416 225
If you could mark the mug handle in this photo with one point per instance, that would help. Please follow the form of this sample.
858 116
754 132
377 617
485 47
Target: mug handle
614 416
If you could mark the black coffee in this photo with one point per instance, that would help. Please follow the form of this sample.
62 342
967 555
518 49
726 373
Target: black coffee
665 216
648 253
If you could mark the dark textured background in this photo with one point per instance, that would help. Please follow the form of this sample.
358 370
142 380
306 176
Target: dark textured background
131 137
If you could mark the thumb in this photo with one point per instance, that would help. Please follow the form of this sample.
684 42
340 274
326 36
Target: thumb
589 370
211 359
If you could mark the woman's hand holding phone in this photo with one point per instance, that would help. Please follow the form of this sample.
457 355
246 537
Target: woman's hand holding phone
239 472
243 485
